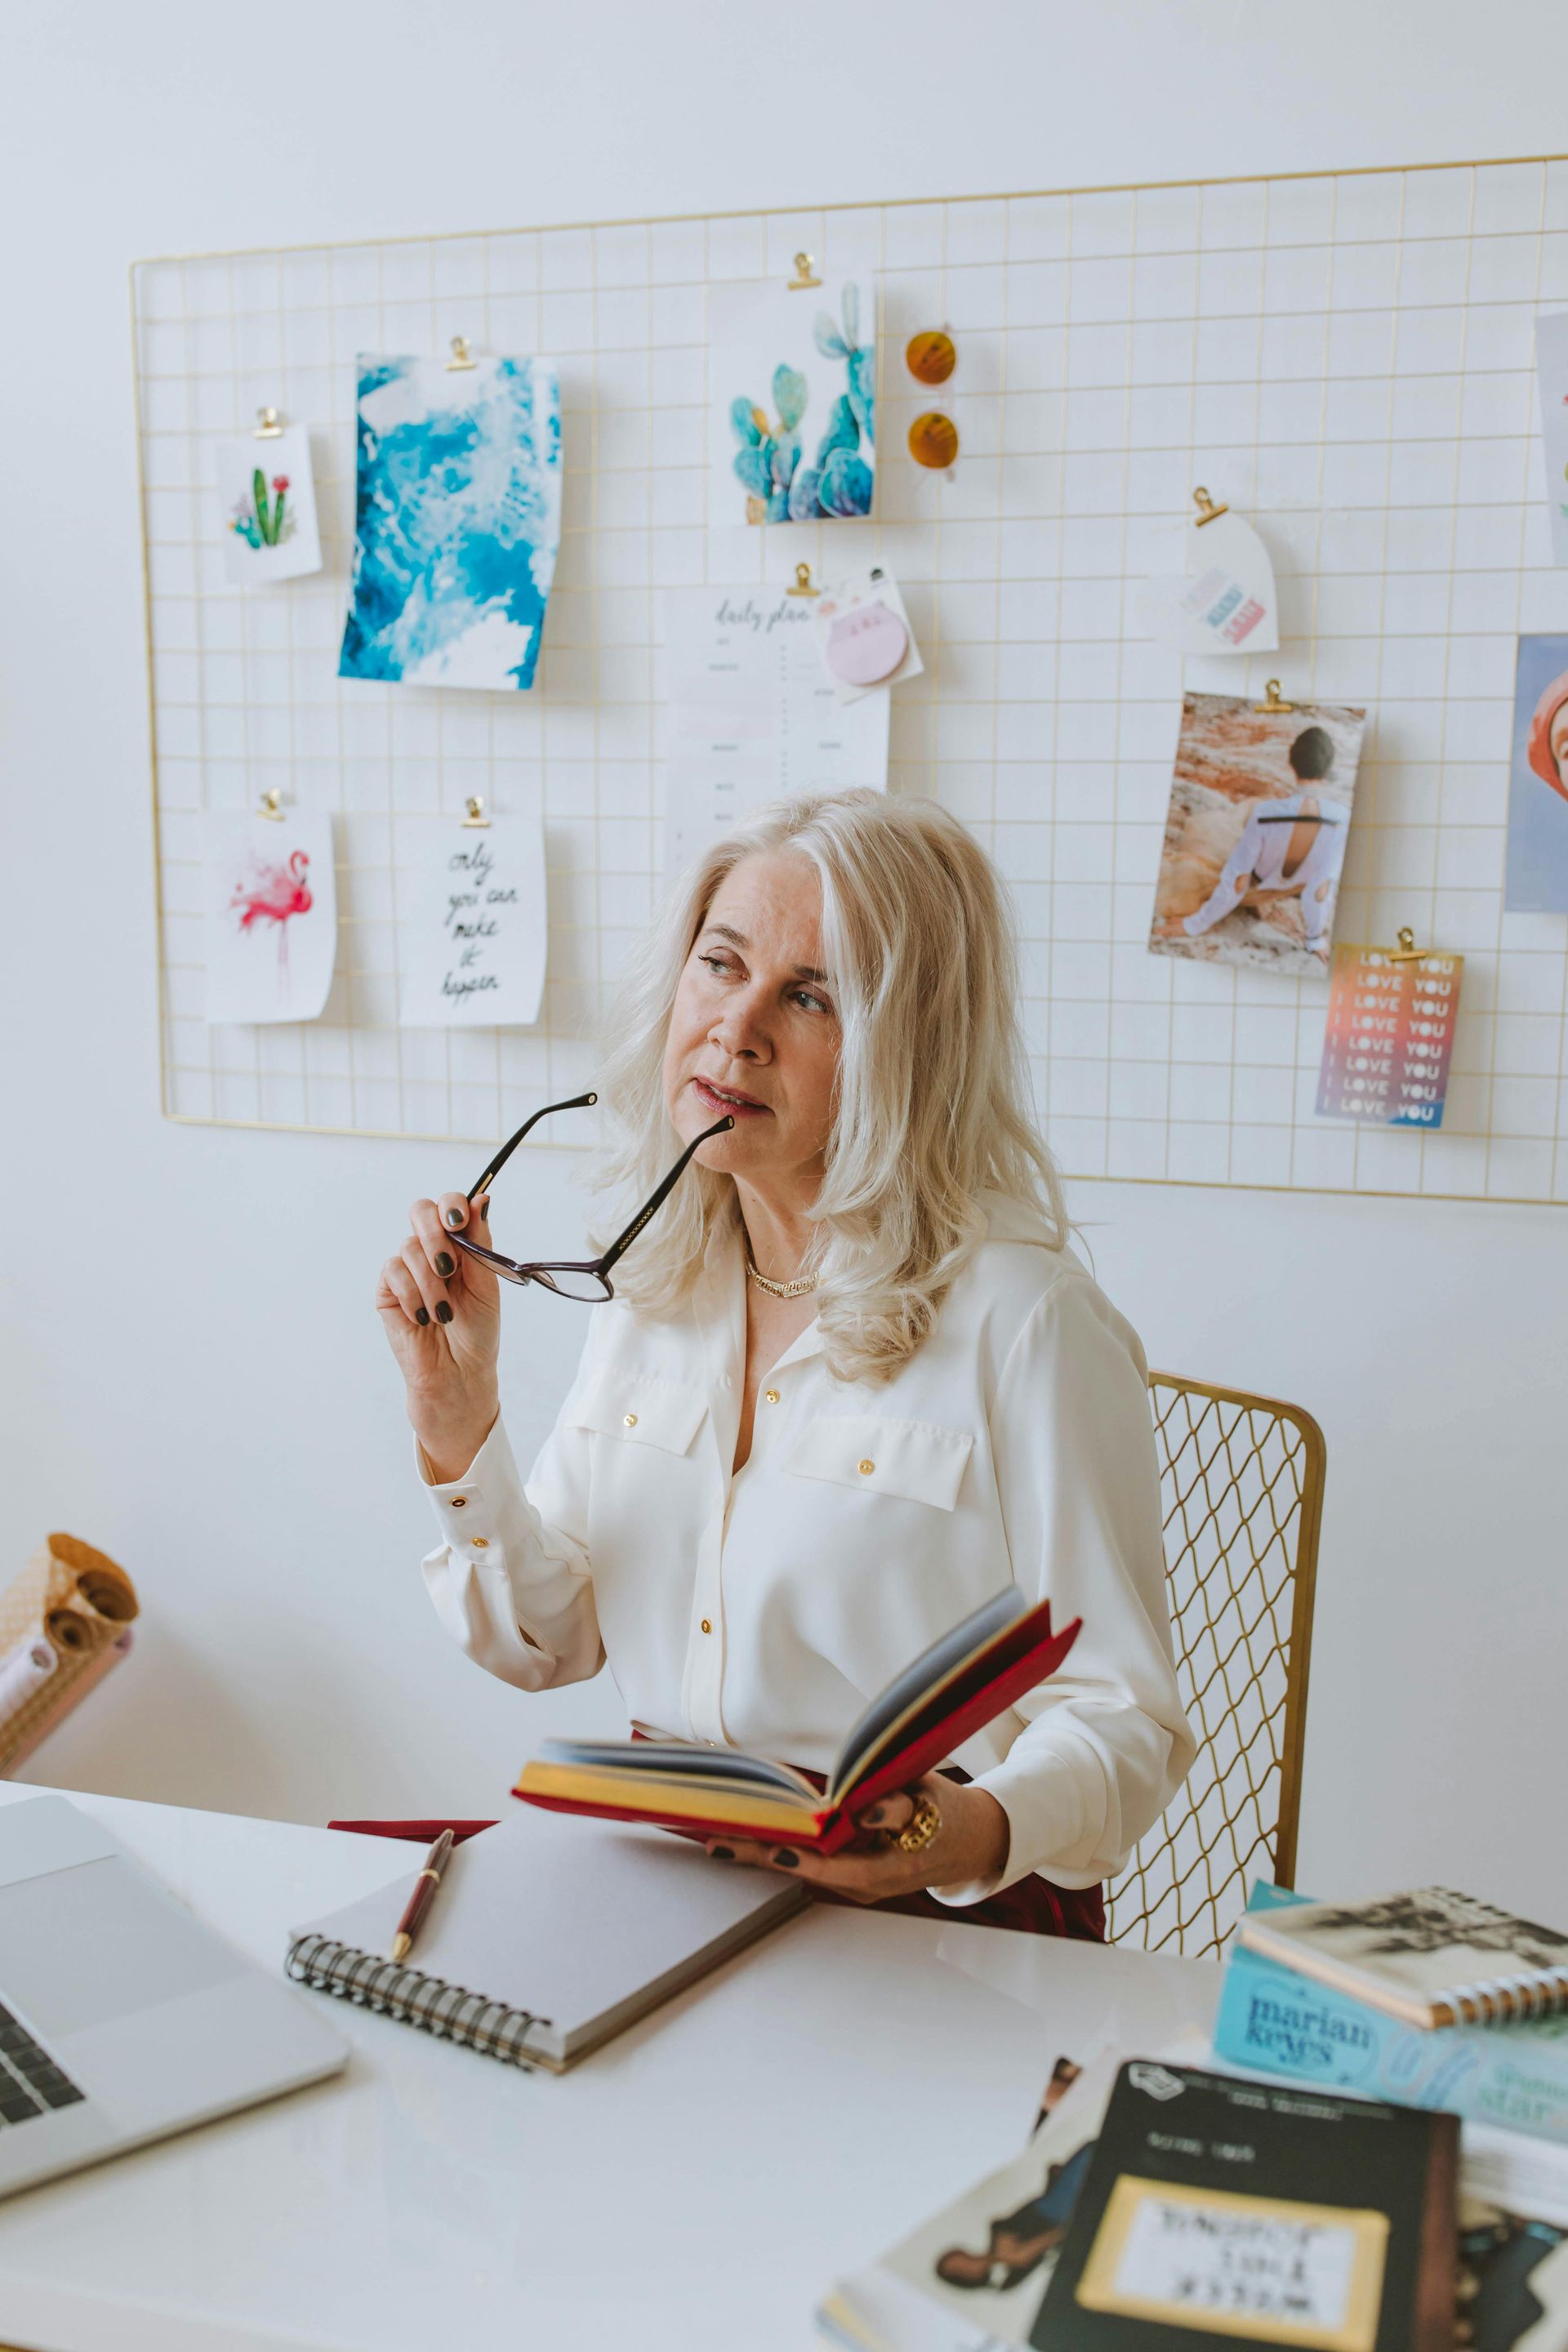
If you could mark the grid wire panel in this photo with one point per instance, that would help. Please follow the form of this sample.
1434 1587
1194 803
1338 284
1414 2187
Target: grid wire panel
1240 1489
1347 359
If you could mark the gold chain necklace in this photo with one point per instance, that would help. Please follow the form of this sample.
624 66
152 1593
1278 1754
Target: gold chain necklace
795 1289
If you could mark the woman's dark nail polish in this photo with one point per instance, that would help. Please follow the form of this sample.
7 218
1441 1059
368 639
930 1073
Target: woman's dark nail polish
443 1312
422 1314
722 1853
786 1857
454 1218
873 1817
445 1264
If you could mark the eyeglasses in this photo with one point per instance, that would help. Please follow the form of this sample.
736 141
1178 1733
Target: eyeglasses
590 1279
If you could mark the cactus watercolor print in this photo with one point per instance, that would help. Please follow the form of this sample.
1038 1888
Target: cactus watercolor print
792 401
456 521
269 899
266 507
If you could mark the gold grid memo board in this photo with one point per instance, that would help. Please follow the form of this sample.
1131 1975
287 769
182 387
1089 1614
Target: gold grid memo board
1345 358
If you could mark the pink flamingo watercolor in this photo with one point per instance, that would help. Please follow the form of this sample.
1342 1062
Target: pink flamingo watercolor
276 893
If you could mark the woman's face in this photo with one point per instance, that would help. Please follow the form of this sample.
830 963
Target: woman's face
754 1031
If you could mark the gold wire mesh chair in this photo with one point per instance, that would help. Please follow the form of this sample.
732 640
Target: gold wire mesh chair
1241 1482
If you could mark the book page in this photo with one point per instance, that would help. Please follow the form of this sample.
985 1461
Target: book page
923 1676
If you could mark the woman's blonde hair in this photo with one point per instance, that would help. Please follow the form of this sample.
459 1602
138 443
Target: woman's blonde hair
930 1110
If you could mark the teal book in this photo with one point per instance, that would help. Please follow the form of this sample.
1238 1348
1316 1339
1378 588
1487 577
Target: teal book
1283 2024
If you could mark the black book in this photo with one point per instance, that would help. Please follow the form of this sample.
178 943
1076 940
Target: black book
1225 2213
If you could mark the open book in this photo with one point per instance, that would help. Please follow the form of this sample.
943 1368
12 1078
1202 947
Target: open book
951 1690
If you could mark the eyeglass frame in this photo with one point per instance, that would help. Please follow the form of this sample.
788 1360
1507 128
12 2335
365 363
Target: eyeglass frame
515 1270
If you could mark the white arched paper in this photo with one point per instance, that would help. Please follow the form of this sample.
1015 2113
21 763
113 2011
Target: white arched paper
1222 601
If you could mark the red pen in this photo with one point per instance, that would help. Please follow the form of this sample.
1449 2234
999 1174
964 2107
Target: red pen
423 1894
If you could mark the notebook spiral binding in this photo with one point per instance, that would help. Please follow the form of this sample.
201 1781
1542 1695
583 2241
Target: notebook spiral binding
393 1989
1492 2001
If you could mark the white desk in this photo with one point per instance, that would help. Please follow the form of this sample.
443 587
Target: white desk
694 2187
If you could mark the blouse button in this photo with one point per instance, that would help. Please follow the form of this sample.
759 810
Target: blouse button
631 1420
481 1543
867 1468
460 1502
707 1624
770 1396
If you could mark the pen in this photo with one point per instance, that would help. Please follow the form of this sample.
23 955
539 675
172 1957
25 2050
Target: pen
423 1894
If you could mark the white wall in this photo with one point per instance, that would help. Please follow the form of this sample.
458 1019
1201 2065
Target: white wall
192 1377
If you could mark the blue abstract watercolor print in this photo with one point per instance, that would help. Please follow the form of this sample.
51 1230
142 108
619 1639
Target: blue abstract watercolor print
458 518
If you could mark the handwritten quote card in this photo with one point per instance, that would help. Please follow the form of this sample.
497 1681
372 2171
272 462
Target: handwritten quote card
269 897
473 925
1390 1038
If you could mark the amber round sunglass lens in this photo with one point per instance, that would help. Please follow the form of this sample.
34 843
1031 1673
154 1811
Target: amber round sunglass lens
933 440
930 357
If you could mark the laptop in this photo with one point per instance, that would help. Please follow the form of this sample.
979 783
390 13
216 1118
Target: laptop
122 2017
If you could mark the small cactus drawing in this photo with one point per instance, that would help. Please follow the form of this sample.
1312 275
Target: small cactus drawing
838 481
260 522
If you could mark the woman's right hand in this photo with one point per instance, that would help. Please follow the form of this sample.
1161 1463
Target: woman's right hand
440 1309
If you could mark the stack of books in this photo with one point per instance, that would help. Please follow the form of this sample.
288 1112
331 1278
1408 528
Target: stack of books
1167 2199
1431 2000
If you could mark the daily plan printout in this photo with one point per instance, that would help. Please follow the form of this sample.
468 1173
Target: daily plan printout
752 714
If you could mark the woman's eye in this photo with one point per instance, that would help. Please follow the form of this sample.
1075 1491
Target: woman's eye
813 1004
715 963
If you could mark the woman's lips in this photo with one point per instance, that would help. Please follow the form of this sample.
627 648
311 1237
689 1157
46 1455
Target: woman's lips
717 1102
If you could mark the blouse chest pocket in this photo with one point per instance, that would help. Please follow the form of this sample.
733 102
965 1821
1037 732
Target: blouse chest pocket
641 1407
921 1461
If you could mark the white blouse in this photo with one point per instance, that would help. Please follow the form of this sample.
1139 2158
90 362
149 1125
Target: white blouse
765 1608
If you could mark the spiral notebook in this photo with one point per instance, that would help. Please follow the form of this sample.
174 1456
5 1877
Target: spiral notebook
548 1935
1433 1957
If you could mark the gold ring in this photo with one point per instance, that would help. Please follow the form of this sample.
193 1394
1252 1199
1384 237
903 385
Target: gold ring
923 1825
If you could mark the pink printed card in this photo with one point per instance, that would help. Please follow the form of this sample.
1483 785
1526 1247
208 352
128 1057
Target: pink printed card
270 902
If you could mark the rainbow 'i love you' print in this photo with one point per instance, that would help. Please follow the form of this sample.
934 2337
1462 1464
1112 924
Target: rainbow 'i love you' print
1390 1037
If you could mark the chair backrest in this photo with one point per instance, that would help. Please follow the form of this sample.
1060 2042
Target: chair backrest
1241 1483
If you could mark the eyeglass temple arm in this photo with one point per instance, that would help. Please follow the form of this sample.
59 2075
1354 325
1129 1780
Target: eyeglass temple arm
578 1102
651 1208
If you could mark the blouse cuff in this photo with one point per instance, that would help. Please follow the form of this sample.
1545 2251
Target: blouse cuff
487 1522
1043 1799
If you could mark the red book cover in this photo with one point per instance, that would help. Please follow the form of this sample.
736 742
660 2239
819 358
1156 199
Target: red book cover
1023 1654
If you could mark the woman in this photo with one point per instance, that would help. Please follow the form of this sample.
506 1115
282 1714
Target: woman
1546 747
1294 845
852 1383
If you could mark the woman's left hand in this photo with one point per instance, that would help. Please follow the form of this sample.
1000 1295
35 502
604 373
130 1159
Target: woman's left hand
972 1844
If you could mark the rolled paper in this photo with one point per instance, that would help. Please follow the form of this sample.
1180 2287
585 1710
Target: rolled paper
70 1698
78 1600
23 1670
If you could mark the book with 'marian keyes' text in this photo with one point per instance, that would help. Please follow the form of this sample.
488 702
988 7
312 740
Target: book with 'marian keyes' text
1283 2022
951 1690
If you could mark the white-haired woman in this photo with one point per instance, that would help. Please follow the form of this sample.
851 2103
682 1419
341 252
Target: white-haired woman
852 1382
